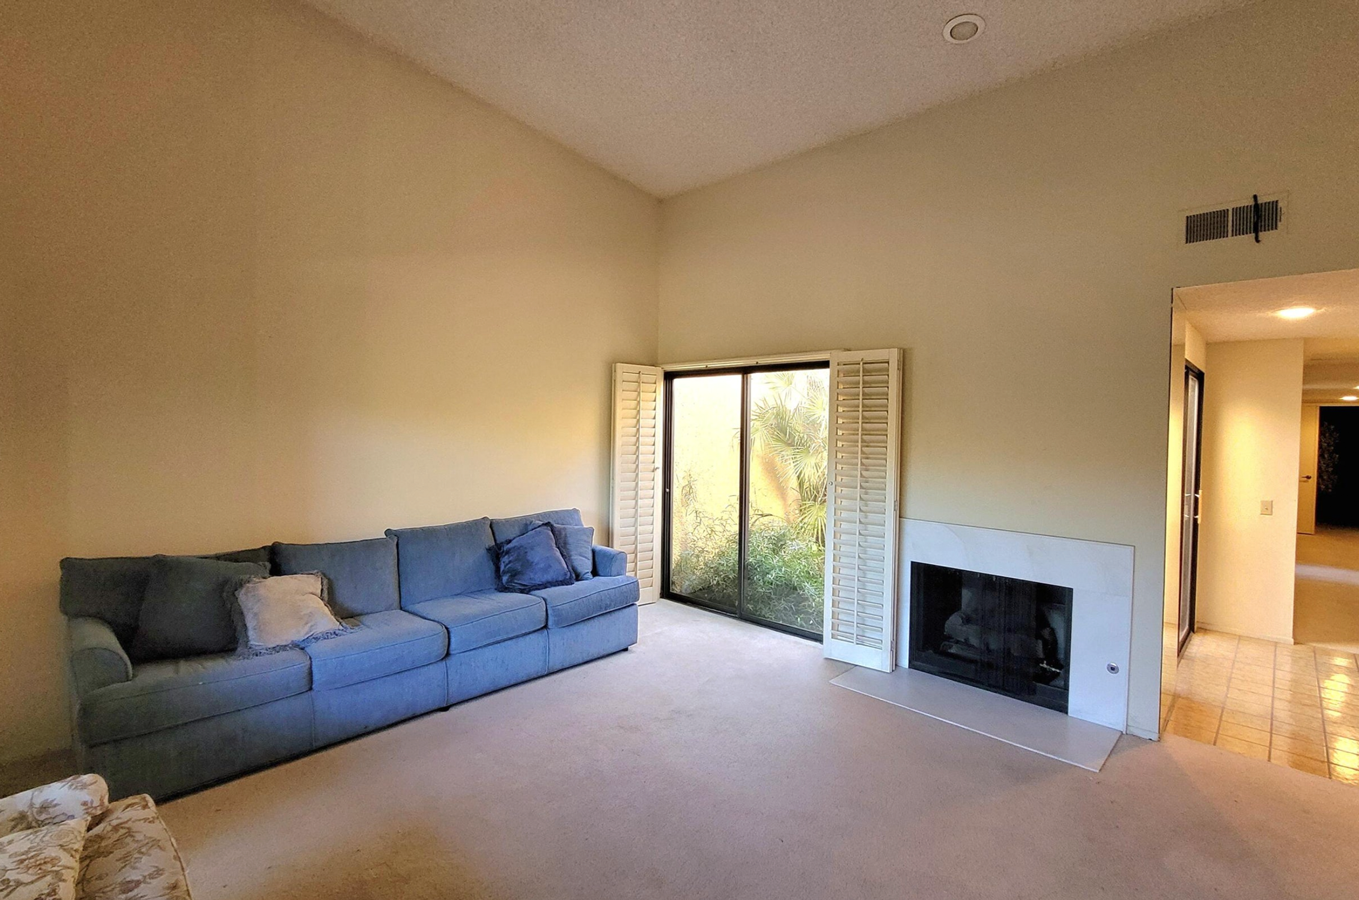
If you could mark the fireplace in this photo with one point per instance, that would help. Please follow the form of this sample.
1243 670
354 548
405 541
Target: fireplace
1003 634
1091 581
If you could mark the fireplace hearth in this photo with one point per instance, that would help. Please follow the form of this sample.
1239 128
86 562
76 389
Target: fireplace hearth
1003 634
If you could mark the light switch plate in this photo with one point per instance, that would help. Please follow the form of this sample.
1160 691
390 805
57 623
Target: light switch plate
1266 507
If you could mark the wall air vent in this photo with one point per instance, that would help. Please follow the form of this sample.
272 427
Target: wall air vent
1255 218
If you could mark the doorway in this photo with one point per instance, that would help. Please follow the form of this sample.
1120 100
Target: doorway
1191 495
1326 606
1255 617
1335 448
744 504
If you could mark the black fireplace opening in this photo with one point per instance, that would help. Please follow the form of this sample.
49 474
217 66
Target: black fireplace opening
1003 634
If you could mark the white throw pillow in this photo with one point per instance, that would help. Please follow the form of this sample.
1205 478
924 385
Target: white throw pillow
42 863
285 609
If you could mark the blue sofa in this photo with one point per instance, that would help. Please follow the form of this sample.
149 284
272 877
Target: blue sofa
429 629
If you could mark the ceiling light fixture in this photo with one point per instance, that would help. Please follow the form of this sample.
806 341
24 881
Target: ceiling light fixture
1295 312
961 29
1349 398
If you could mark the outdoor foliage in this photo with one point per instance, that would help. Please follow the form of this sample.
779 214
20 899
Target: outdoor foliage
785 557
791 427
786 570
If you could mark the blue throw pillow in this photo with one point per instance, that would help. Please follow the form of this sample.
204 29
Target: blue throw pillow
577 546
187 607
532 561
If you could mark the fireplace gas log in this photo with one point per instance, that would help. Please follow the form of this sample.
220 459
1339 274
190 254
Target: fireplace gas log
1003 634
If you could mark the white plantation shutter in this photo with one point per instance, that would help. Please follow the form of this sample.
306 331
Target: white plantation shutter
861 511
635 515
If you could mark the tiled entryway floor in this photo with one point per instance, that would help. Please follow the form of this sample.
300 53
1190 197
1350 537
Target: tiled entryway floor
1293 704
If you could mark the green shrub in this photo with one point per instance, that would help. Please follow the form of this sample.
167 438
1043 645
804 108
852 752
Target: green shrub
786 571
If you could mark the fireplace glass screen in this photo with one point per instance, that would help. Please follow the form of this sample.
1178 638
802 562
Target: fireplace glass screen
1003 634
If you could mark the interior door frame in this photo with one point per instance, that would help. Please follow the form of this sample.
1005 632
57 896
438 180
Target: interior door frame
667 472
1310 449
1191 373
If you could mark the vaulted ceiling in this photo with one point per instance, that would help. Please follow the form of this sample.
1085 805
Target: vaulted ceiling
675 94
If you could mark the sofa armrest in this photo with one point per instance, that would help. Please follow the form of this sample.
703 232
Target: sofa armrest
76 797
97 659
609 561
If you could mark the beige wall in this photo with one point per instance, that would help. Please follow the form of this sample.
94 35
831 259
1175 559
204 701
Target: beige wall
1251 437
1022 245
262 280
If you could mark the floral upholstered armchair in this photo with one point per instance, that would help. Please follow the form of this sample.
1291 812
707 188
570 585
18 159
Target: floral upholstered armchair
66 841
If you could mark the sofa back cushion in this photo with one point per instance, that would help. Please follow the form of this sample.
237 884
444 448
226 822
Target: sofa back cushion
111 588
445 560
361 574
509 529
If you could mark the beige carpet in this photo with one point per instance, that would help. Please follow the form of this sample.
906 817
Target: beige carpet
716 760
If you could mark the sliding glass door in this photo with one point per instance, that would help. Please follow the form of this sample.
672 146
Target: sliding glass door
745 498
703 486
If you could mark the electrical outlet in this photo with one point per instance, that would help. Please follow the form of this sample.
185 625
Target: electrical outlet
1266 507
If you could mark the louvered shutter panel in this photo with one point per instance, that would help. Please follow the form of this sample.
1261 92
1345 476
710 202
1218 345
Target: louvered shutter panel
861 510
635 517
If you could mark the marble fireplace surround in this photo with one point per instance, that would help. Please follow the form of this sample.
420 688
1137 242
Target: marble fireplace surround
1100 576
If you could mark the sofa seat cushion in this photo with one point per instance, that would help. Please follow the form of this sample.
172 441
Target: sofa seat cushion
382 643
172 692
475 620
572 603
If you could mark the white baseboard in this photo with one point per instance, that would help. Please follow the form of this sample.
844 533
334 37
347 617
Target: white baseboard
1285 639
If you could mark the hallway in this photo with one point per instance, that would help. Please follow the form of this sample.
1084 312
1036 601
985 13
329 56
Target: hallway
1291 704
1326 602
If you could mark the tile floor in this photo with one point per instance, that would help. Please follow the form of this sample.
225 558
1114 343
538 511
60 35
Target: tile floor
1292 704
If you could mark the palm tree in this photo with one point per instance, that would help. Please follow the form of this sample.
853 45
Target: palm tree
790 424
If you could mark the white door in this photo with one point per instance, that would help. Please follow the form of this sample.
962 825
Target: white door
635 502
864 465
1307 473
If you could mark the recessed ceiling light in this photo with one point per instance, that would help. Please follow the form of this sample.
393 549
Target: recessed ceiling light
961 29
1295 312
1349 398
